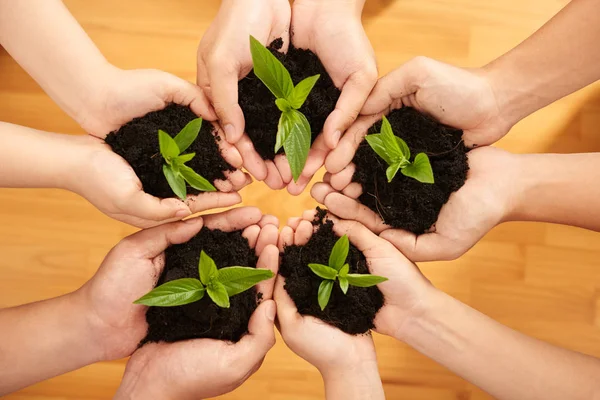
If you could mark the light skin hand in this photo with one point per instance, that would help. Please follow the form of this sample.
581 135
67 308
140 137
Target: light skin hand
224 58
487 199
348 363
204 368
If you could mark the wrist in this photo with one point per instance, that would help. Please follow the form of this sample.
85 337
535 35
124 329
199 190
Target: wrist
358 381
346 7
75 162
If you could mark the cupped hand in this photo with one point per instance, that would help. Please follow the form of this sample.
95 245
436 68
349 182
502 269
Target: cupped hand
486 199
196 368
333 31
224 58
108 182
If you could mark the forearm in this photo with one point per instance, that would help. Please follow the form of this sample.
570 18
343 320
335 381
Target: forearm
45 39
42 340
361 382
499 360
558 188
558 59
32 158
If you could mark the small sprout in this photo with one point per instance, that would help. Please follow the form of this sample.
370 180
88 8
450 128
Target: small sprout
174 169
293 131
219 284
395 152
338 269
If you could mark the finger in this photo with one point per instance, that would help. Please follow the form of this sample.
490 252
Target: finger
210 200
150 243
347 208
268 236
316 158
260 338
286 238
283 166
273 179
252 160
223 186
296 188
343 178
320 191
234 219
144 206
303 233
400 83
309 215
354 93
269 259
251 234
353 190
343 154
426 247
238 179
223 78
287 313
180 91
293 222
327 177
359 235
268 220
228 151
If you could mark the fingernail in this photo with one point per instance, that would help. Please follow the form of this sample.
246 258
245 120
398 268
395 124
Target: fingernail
229 132
336 137
271 311
182 213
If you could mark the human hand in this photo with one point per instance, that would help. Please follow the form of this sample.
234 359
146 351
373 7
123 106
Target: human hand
487 199
201 368
454 96
333 30
224 58
108 182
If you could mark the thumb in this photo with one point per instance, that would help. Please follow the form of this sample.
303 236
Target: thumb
224 95
426 247
150 208
253 347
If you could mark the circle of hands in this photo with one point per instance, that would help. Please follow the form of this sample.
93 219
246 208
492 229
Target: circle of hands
458 97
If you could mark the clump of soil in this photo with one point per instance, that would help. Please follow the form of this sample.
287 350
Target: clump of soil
258 103
204 319
406 203
353 312
137 143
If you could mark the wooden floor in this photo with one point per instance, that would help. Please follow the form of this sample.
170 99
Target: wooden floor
541 279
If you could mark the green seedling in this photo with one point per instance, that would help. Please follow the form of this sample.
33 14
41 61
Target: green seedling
219 284
175 170
338 269
396 154
293 131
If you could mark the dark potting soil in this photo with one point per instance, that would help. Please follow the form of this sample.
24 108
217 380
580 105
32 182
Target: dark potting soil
204 319
406 203
137 143
258 103
353 312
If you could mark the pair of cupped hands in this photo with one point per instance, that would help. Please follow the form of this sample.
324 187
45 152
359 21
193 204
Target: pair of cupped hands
458 97
201 368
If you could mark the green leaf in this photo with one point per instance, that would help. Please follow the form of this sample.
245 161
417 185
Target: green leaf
182 159
270 70
302 90
339 253
175 181
323 271
364 280
376 144
188 134
420 169
239 279
173 293
344 271
168 147
404 148
207 268
325 293
283 105
389 141
344 285
283 131
218 293
392 170
297 144
195 180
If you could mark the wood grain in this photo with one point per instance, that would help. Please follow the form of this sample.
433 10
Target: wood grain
541 279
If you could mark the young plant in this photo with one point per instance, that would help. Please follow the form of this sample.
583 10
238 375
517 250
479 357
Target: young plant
338 269
219 284
293 131
175 170
396 154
